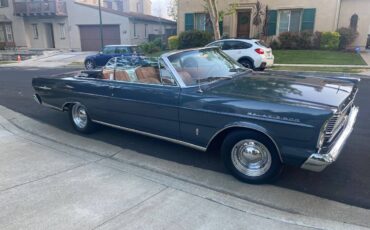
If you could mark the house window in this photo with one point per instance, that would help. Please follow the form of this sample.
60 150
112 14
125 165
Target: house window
62 31
198 21
9 32
2 34
108 4
6 32
35 31
289 20
119 5
4 3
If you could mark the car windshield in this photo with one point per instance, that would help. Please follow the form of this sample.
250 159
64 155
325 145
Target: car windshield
204 65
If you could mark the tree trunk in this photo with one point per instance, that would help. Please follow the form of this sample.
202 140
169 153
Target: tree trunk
213 13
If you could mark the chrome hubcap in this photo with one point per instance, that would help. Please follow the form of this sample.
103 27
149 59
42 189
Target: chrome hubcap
79 116
251 157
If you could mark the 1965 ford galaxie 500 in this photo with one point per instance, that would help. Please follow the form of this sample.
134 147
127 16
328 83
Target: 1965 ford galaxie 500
201 98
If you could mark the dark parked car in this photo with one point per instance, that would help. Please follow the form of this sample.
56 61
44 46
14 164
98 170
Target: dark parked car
201 98
100 59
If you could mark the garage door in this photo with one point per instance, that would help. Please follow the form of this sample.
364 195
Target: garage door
90 36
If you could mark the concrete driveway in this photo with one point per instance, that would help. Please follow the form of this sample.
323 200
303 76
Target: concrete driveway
53 59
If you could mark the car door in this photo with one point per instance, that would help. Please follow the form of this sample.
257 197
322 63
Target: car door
236 49
148 106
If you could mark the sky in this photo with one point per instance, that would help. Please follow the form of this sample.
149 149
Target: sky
159 8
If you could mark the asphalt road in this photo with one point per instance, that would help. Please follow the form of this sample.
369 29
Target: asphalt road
347 180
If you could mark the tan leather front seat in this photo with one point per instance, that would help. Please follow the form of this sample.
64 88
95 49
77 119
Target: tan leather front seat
121 75
148 75
186 77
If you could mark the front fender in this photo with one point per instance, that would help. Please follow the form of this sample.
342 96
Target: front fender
250 126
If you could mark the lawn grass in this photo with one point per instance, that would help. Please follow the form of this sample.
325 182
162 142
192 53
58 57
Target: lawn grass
6 62
321 69
319 57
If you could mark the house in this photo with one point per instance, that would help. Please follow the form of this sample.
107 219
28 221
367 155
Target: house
136 6
282 16
74 25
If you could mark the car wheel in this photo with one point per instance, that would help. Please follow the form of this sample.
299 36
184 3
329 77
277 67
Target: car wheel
89 64
246 63
80 119
251 157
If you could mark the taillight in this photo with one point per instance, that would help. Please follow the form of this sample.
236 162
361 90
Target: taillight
259 51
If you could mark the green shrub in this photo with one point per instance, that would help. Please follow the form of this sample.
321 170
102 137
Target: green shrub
292 40
347 37
329 40
275 44
173 42
191 39
316 41
150 47
305 40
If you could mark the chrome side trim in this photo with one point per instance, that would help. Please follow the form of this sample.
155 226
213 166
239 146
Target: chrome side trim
247 127
318 161
52 106
197 147
43 87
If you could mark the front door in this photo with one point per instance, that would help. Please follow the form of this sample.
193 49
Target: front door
50 43
148 106
243 26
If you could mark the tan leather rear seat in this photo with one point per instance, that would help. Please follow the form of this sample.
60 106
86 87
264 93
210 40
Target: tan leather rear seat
148 75
121 75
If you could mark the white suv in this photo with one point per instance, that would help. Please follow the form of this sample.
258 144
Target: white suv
251 53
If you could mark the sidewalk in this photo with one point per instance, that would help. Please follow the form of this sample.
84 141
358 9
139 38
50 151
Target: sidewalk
52 59
51 179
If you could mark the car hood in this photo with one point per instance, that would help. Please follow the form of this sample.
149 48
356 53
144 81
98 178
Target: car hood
310 91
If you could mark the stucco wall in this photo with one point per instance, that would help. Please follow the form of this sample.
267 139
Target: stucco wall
151 28
17 25
325 19
41 41
362 9
128 5
82 15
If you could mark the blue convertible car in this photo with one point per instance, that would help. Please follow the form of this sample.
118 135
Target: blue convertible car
201 98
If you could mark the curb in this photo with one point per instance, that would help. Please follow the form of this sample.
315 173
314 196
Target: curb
265 201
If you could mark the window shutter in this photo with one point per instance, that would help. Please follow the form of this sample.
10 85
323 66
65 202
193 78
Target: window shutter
189 22
308 19
271 22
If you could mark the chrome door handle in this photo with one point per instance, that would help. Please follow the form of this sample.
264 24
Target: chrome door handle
44 87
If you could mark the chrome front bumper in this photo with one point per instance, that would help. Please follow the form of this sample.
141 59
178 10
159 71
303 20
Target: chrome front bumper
318 161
